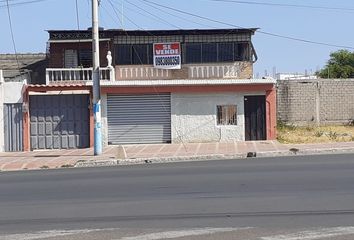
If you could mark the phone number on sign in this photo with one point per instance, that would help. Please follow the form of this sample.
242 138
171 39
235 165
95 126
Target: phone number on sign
166 61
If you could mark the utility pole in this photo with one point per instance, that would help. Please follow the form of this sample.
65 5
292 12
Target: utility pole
96 81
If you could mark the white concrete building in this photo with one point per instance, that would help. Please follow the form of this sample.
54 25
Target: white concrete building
203 91
294 76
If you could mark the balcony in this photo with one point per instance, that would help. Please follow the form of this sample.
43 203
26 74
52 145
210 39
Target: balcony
236 70
76 75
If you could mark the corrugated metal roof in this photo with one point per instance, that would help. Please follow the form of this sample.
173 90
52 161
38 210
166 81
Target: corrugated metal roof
160 32
9 61
14 66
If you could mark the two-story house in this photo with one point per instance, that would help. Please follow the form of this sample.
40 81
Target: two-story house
164 86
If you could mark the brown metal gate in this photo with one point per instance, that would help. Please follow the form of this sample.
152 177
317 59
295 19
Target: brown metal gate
255 118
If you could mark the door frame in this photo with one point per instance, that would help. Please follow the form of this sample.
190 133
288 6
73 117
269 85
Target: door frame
261 129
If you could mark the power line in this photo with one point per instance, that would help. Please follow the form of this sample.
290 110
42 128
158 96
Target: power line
285 5
155 16
12 35
109 14
78 28
116 13
20 3
174 15
263 32
4 1
141 62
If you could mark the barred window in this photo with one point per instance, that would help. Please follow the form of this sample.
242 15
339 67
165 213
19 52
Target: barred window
226 115
192 53
74 58
216 52
133 54
85 58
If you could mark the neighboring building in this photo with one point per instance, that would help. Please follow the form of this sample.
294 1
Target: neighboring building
29 66
165 86
294 76
15 71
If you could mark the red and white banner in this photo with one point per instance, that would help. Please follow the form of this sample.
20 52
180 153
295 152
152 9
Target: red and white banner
167 55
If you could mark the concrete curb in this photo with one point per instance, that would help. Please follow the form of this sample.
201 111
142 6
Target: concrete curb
265 154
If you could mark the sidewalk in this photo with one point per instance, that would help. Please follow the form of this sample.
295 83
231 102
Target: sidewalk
152 153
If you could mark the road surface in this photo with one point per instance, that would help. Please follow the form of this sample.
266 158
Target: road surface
286 198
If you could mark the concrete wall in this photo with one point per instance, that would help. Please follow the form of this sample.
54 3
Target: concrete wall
13 92
194 117
2 138
56 56
321 101
10 92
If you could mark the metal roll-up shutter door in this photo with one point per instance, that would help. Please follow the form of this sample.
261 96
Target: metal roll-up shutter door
144 118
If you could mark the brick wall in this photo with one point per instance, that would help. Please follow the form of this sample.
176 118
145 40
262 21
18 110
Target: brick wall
312 101
56 56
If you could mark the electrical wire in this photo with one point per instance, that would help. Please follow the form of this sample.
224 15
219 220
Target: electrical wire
78 29
155 16
115 11
285 5
4 1
141 63
21 3
177 16
263 32
12 36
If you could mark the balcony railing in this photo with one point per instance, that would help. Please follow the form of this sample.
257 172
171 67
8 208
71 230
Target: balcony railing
188 71
57 75
236 70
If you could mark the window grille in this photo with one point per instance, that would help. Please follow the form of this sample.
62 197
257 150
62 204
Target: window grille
226 115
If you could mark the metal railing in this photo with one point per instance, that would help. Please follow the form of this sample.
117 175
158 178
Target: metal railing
188 71
76 74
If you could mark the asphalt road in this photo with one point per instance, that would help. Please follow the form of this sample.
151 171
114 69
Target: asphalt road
254 197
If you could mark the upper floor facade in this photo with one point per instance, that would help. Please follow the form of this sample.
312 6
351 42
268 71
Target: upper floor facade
192 54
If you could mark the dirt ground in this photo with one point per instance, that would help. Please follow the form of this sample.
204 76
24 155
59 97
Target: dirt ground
314 134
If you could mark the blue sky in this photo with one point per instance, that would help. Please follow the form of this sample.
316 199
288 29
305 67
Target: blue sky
320 25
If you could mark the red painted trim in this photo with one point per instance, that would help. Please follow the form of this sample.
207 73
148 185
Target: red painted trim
57 88
271 114
92 122
26 115
26 125
188 89
270 100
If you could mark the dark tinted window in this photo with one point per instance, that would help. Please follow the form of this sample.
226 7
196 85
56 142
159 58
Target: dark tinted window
193 53
127 54
150 54
242 52
140 54
226 52
85 58
209 52
123 54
